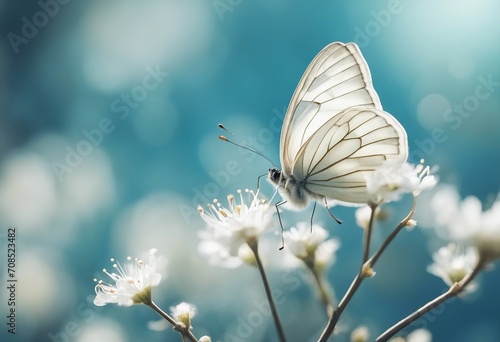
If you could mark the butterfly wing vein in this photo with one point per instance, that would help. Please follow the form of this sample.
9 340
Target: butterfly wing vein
335 132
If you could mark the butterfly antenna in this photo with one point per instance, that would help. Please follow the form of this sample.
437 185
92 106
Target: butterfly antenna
243 144
258 180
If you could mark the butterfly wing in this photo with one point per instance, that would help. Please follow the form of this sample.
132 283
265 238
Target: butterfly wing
336 158
338 78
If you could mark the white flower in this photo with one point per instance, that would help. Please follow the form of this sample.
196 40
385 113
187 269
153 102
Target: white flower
487 239
452 264
311 246
133 282
325 254
205 338
240 223
391 180
444 203
183 313
419 335
360 334
158 325
411 223
218 254
363 215
466 221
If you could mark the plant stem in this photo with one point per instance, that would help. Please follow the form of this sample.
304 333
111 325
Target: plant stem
368 235
323 291
395 232
453 291
255 249
185 332
362 272
340 308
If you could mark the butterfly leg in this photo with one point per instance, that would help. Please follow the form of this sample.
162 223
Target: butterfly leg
312 215
329 213
281 223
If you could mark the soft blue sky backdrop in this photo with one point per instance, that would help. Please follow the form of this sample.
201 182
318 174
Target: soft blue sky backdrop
108 142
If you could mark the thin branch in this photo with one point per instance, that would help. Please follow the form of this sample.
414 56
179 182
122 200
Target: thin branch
340 308
395 232
453 291
255 249
364 271
368 234
186 333
323 291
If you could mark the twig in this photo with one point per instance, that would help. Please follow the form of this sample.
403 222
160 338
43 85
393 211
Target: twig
323 292
254 247
368 234
364 271
186 333
453 291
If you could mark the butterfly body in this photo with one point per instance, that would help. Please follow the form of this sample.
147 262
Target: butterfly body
294 191
335 132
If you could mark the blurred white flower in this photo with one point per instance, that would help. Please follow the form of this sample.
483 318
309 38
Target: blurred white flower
133 282
325 254
487 237
205 338
311 246
218 254
419 335
158 325
392 180
362 215
360 334
466 221
102 329
239 224
444 203
183 313
452 264
410 224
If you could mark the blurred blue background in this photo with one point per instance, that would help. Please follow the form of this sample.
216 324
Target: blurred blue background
108 142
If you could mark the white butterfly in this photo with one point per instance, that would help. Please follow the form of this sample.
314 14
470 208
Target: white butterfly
335 132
